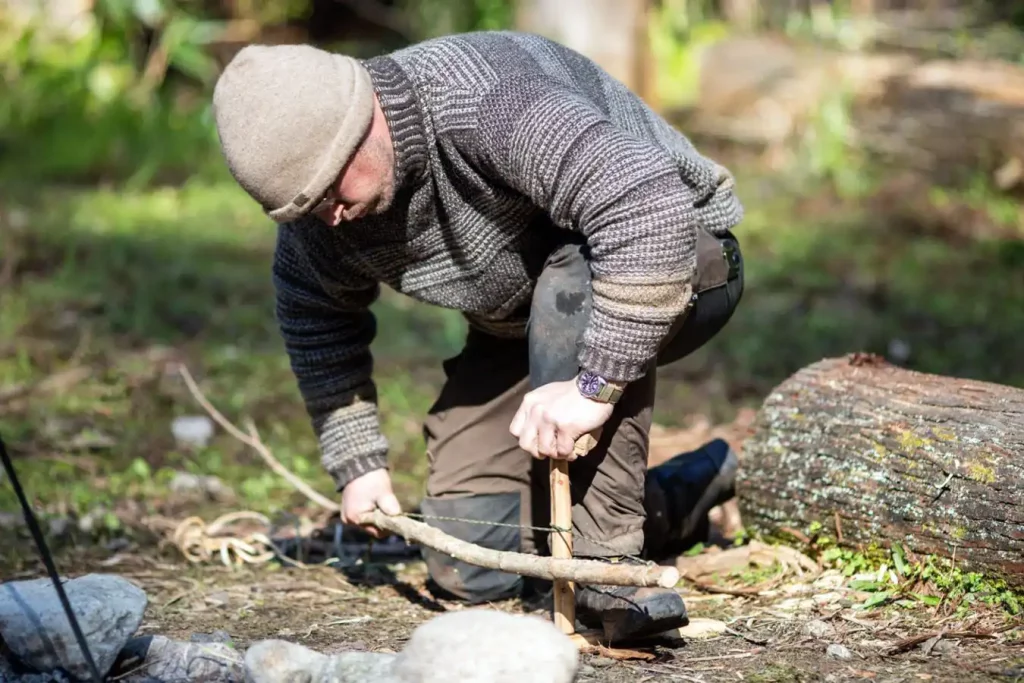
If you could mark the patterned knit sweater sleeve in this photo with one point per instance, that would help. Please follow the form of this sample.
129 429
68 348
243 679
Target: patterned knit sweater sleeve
625 193
327 328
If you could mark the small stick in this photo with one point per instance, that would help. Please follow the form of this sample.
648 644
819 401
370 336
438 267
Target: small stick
564 591
538 566
561 545
909 643
252 439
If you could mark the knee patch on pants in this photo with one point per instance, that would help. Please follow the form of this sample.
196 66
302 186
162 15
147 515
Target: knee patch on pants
465 581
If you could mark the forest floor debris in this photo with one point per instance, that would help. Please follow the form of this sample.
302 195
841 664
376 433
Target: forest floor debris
375 607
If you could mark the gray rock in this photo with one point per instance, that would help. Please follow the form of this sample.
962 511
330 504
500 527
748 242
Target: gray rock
36 629
361 666
59 526
837 651
206 486
156 659
192 430
10 520
469 646
485 645
279 661
819 629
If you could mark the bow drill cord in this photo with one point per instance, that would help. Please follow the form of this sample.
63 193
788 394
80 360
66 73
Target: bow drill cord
44 551
557 530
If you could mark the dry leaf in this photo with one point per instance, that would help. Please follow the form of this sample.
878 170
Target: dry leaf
623 654
755 554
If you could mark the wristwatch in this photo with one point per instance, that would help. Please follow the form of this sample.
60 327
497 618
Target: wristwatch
597 388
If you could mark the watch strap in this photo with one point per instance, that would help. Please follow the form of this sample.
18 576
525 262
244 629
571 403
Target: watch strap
610 393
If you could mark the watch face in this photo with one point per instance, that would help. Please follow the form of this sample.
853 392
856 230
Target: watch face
589 384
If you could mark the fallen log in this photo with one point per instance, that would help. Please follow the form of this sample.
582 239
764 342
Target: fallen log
880 454
580 571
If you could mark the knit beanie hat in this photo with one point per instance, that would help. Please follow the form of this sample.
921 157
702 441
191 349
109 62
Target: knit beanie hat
289 117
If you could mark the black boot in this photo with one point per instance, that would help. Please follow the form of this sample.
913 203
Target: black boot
681 492
627 612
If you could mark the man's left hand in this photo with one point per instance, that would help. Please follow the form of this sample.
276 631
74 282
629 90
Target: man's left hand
553 416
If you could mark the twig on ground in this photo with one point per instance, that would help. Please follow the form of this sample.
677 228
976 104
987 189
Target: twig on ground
749 639
710 588
909 643
742 655
795 533
839 528
253 441
57 382
930 644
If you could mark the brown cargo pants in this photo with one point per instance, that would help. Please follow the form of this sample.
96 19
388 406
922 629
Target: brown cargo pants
477 470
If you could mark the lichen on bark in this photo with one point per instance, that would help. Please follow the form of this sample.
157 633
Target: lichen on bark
934 462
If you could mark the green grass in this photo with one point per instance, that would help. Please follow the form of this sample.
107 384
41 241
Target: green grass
106 278
111 279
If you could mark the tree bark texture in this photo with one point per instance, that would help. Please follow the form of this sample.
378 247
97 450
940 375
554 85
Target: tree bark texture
887 454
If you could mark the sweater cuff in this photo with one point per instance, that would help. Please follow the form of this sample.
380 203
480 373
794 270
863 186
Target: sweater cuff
345 470
351 443
612 366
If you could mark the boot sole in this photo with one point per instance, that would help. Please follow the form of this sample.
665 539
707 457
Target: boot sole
664 613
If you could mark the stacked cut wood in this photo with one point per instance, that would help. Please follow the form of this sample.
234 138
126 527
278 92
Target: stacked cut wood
947 117
880 454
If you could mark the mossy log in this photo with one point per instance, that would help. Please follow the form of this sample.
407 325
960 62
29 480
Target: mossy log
878 453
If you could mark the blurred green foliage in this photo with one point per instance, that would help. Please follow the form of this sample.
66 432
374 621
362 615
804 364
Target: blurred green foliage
92 107
127 100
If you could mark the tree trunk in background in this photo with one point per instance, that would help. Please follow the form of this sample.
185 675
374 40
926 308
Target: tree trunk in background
741 14
611 32
935 463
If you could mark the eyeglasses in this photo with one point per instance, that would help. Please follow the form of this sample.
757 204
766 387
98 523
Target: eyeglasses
326 202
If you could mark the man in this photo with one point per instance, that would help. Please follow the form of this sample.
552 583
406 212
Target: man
585 240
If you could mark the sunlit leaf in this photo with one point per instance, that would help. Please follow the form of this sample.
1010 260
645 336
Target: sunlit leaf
877 599
932 600
898 559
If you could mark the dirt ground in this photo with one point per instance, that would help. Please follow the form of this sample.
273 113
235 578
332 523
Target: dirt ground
376 607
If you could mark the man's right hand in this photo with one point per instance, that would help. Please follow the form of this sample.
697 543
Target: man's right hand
366 494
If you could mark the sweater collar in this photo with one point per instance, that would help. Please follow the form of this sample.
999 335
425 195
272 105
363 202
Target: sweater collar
405 119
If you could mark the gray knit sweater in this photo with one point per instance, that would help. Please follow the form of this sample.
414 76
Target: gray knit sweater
502 141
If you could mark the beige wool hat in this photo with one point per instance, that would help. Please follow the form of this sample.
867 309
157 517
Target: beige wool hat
289 117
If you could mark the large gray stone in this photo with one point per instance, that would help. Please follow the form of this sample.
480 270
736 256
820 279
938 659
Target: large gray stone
36 629
478 645
470 646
